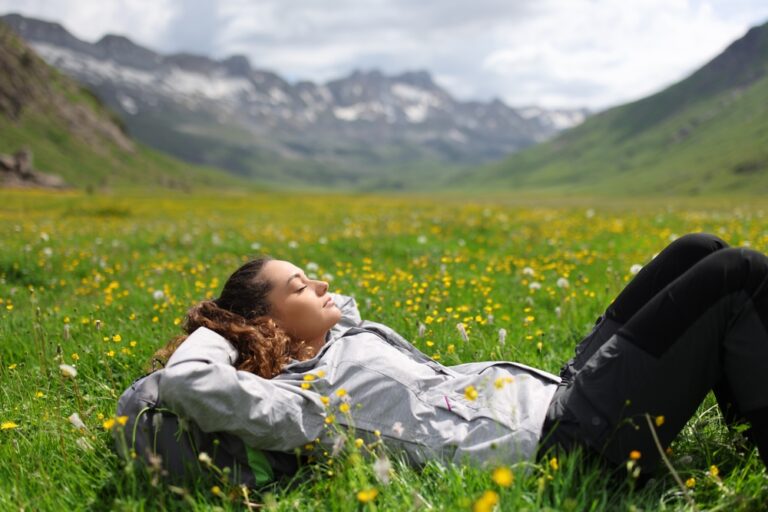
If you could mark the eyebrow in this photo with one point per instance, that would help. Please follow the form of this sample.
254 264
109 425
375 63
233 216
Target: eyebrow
297 274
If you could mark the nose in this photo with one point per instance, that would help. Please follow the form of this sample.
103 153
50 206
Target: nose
321 287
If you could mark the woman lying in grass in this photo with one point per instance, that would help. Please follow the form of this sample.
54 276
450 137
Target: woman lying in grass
277 361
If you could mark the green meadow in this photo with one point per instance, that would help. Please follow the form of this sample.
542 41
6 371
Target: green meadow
99 282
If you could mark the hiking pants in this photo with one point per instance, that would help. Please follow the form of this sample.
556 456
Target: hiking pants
694 319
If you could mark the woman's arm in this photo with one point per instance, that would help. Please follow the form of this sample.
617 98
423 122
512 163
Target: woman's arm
200 383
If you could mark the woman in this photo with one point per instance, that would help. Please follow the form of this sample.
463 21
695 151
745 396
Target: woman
276 360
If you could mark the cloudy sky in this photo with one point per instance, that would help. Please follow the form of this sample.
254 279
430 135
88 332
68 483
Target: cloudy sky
553 53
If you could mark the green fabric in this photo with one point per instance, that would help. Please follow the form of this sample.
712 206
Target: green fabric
262 471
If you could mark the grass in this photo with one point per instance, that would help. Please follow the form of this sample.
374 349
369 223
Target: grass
78 276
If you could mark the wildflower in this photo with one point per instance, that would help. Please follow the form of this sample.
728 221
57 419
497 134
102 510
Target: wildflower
367 495
344 407
503 476
462 331
341 392
422 239
635 454
312 266
486 502
359 442
528 271
108 424
562 283
325 400
502 336
422 330
320 373
158 295
382 468
205 458
714 471
39 394
255 246
330 419
470 393
216 490
554 464
8 425
690 483
634 269
558 312
659 420
305 385
68 371
539 346
75 356
309 377
122 420
398 429
97 323
76 422
535 285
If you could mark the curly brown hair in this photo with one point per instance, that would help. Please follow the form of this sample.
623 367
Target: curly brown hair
241 315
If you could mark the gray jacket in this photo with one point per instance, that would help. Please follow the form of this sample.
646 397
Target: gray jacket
415 403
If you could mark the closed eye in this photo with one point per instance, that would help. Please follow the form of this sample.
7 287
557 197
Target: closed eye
301 289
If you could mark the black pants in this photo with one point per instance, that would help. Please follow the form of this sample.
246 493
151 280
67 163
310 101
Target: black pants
694 319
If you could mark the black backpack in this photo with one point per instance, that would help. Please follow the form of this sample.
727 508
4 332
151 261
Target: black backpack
153 430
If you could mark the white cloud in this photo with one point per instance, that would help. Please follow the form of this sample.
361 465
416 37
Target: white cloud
546 52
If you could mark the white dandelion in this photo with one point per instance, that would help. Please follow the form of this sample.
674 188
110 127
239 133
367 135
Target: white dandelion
205 458
535 285
255 246
158 295
634 269
462 331
68 371
528 271
558 312
422 239
312 266
563 283
382 469
76 422
422 330
502 336
293 244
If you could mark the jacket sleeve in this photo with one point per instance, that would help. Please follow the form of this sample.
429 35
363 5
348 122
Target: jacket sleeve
201 384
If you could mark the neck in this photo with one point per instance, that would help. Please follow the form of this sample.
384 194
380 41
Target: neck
315 345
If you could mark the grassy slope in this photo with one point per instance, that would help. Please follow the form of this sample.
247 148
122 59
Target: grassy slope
697 136
81 154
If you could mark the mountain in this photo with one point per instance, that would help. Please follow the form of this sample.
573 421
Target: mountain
73 135
707 134
365 128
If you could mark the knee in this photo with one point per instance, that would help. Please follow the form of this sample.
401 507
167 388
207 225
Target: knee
740 265
700 243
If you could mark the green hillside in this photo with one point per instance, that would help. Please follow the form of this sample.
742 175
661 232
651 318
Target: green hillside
707 134
71 134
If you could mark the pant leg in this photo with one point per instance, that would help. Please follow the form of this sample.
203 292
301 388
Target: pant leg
705 327
676 258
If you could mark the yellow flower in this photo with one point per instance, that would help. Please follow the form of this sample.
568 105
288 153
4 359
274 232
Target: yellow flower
344 407
503 476
330 418
305 385
75 356
659 420
117 338
108 424
359 442
39 394
690 483
634 454
309 377
325 400
554 464
341 392
12 366
486 502
216 490
122 420
713 470
320 373
470 393
8 425
367 495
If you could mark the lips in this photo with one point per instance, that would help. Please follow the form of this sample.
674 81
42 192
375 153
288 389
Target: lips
329 301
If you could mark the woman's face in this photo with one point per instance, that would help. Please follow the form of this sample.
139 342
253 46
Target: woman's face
301 306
